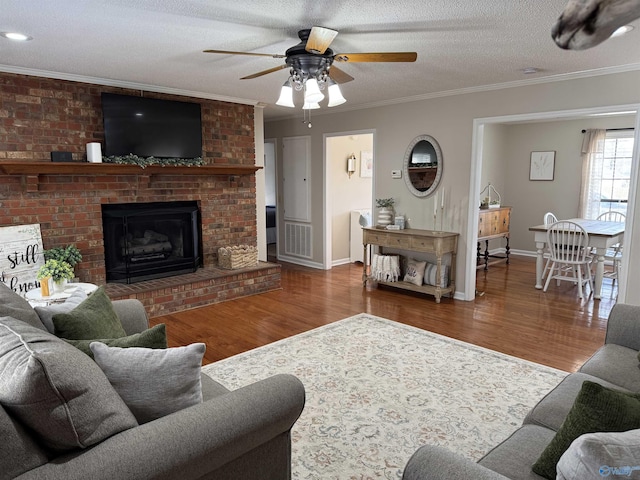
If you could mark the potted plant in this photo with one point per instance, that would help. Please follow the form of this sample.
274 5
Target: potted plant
385 214
69 254
56 270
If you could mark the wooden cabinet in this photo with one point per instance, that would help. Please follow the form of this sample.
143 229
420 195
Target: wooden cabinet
493 223
425 241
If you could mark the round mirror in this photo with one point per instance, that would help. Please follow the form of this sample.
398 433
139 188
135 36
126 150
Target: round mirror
422 168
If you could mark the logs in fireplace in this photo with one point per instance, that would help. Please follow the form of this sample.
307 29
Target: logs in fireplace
143 241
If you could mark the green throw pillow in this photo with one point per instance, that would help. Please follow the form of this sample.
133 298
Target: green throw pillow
93 318
596 409
155 337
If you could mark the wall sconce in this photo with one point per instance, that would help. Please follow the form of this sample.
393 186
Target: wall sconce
351 165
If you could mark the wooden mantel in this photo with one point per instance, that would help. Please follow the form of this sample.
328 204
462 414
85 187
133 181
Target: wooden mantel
84 168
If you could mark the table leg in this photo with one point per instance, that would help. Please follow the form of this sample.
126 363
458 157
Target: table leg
365 262
539 263
486 254
599 272
507 249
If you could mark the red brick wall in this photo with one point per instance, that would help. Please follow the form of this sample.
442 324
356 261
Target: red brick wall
40 115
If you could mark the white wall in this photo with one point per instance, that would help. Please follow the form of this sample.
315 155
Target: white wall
449 120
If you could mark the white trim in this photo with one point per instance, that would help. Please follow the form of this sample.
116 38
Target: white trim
123 84
481 88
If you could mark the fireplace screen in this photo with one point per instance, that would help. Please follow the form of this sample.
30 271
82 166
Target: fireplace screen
143 241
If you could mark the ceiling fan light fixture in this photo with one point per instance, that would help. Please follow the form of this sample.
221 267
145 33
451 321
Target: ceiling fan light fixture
310 105
286 96
622 30
335 95
312 93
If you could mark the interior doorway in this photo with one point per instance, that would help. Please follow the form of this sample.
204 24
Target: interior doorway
270 199
479 149
348 188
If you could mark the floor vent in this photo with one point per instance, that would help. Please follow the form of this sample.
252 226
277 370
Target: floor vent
297 239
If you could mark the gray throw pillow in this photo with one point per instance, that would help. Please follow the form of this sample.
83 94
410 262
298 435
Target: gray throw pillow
153 383
56 390
47 312
154 337
14 306
599 455
93 318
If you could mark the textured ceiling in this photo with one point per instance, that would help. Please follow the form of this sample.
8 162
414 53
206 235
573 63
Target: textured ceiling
158 44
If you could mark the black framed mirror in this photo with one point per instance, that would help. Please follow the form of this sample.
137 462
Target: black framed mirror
422 167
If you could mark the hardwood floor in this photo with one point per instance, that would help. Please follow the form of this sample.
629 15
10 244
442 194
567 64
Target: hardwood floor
554 328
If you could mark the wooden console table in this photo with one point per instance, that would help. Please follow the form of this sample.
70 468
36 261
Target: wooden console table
424 241
493 223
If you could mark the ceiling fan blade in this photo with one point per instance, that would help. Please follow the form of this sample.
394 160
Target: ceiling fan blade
272 55
340 76
265 72
377 57
319 39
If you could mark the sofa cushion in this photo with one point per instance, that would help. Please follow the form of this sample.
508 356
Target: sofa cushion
93 318
596 409
56 390
47 312
19 452
14 306
596 455
551 411
513 457
155 337
153 383
615 364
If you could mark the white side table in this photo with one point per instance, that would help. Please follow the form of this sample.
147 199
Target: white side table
35 298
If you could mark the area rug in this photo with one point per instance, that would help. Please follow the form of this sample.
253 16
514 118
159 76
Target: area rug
377 390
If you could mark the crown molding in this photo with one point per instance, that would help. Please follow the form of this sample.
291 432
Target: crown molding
122 84
482 88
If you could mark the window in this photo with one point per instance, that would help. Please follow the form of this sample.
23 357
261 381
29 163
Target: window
616 172
608 173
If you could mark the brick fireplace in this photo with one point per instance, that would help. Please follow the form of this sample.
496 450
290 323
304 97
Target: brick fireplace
41 115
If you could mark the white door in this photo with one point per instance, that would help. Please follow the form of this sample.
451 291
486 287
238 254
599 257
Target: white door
296 163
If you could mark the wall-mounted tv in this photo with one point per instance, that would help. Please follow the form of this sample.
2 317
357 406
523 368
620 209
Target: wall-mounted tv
151 127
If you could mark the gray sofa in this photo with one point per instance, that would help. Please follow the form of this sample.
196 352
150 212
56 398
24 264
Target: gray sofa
241 434
614 365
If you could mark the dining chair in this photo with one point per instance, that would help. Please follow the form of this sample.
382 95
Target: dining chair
569 246
549 218
614 253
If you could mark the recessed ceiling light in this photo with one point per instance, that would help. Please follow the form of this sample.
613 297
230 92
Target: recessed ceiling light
18 37
530 70
622 30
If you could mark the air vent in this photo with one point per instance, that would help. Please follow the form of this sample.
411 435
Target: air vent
297 239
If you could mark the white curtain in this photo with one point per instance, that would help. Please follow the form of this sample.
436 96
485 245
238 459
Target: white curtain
592 163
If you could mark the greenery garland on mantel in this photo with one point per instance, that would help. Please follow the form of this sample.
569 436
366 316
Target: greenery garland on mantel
143 162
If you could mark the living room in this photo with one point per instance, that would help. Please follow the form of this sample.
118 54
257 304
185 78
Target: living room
455 117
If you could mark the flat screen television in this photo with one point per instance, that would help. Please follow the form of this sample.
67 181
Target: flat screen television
151 127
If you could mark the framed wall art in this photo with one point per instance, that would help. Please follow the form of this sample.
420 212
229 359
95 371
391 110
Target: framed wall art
542 165
366 164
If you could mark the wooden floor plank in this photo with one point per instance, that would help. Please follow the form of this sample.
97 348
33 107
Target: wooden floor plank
555 328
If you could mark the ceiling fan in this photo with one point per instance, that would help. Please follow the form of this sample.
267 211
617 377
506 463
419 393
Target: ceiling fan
311 64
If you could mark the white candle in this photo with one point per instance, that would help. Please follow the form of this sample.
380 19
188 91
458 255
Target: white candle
442 202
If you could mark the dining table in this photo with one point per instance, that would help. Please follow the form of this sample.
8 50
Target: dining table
602 235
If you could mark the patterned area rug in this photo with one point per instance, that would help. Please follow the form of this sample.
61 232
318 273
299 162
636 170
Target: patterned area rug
377 390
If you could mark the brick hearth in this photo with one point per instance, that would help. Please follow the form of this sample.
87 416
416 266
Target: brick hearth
41 115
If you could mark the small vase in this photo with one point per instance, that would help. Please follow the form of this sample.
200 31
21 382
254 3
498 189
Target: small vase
385 216
44 286
59 286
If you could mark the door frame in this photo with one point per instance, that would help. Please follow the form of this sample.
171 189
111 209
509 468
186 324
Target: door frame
476 173
326 187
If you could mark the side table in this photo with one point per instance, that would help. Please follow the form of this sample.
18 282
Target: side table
35 298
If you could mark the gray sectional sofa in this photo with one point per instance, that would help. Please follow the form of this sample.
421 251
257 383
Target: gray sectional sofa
614 365
242 434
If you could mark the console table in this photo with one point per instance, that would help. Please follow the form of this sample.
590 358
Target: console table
493 223
424 241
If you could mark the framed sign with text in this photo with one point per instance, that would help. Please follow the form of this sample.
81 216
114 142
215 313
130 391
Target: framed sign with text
21 255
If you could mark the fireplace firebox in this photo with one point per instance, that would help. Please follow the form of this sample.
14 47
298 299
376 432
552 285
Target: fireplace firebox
143 241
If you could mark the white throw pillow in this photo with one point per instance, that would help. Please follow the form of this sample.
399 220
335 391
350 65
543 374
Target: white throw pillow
430 275
601 455
153 382
415 271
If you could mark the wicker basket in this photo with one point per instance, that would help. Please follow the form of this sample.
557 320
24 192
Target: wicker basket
237 256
